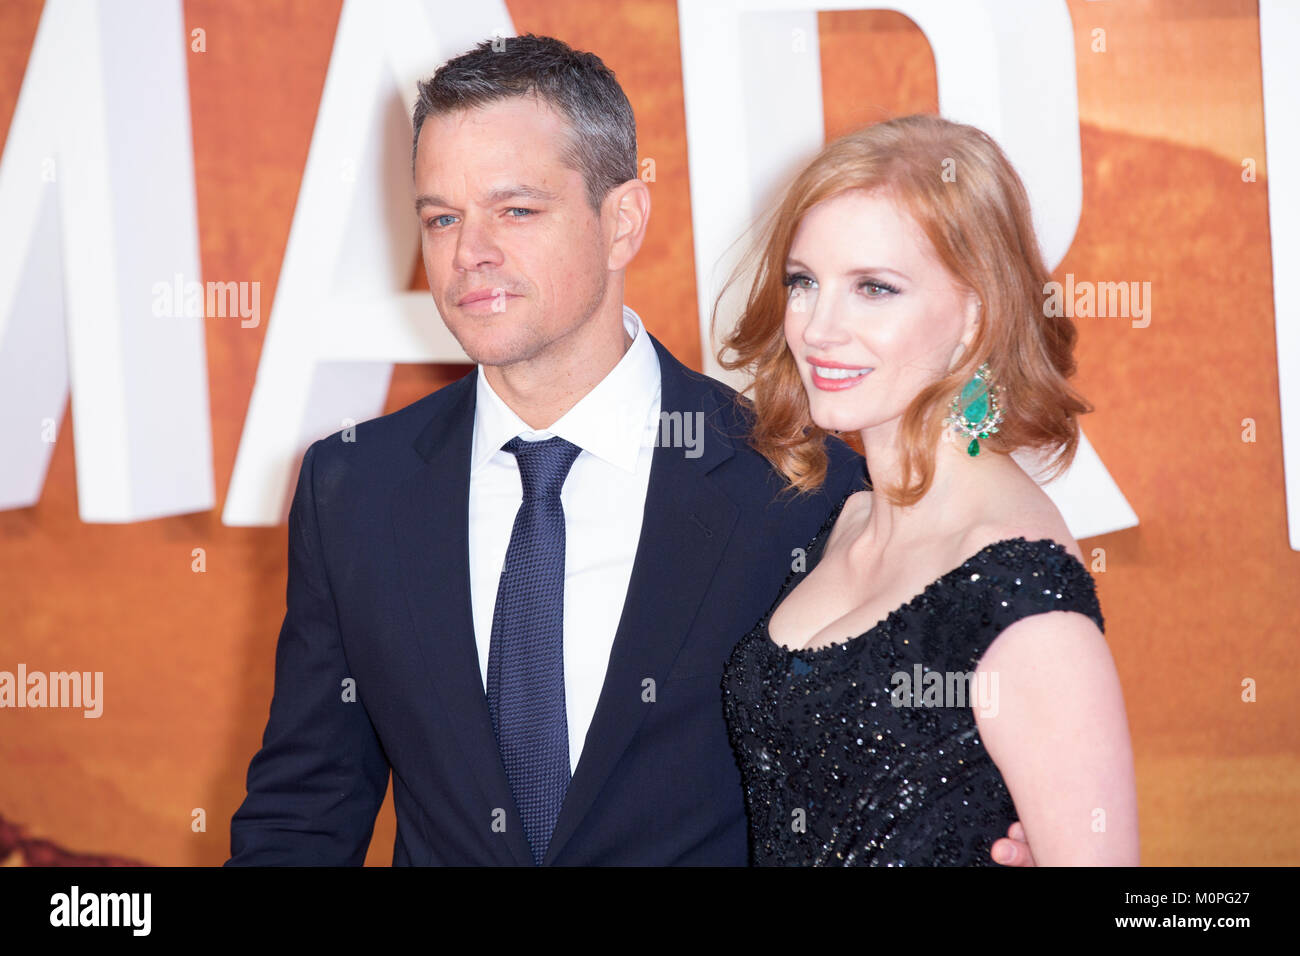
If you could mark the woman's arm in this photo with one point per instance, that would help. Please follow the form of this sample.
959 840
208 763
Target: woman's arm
1057 730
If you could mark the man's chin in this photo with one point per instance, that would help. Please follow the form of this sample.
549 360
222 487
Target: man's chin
499 353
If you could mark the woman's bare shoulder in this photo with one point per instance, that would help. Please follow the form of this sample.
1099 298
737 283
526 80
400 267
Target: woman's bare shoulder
1020 514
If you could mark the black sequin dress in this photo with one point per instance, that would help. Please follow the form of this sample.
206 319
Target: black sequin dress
834 773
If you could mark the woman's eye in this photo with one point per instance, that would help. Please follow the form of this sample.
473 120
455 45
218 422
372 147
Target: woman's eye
871 288
877 290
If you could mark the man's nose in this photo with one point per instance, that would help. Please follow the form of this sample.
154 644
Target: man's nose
476 247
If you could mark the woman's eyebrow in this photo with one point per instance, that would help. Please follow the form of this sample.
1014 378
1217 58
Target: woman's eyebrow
866 270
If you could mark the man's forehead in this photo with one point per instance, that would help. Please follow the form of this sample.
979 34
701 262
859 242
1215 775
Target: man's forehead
510 154
524 108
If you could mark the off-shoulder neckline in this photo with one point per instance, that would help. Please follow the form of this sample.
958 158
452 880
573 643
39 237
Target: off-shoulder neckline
965 566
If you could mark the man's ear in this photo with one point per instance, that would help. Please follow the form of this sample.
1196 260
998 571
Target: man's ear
628 205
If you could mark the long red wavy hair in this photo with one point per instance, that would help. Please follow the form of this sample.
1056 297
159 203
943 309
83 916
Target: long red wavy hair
959 187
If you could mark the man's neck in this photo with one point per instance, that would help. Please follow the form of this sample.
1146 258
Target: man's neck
542 389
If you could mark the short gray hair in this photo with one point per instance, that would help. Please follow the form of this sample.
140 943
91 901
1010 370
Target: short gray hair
602 137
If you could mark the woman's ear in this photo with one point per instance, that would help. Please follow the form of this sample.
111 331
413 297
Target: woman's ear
970 329
974 314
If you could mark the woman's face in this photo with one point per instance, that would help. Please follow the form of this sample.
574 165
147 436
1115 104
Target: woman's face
872 316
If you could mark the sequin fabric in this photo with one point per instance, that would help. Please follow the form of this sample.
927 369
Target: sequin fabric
834 773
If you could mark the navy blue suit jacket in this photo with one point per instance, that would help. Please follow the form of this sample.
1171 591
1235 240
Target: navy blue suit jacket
379 592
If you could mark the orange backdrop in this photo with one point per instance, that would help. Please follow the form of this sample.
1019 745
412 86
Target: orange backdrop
1199 597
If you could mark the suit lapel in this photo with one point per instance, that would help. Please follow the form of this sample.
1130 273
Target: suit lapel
685 528
431 525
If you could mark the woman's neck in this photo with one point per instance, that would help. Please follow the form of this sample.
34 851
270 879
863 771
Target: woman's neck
960 491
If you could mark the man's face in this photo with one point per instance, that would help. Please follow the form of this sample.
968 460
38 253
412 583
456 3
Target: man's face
516 258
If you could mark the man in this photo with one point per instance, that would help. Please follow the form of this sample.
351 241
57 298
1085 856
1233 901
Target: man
518 592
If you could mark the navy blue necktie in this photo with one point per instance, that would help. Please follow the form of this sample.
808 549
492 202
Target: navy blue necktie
525 686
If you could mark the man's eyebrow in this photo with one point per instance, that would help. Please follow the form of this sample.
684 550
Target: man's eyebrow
500 194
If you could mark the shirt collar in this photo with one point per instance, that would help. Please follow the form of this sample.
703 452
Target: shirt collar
611 421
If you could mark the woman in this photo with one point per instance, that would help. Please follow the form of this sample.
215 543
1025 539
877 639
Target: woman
938 669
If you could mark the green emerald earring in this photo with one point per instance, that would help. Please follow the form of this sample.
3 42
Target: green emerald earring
975 412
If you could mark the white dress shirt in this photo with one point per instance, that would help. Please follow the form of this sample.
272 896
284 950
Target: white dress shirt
603 497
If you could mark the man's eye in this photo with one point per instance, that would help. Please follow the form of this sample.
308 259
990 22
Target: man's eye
436 222
526 212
